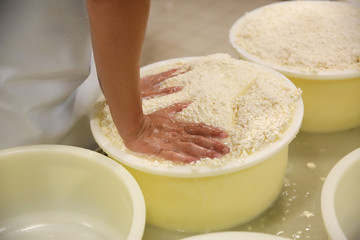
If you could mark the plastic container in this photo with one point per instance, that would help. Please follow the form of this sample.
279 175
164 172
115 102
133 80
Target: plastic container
340 199
235 236
207 199
331 99
62 192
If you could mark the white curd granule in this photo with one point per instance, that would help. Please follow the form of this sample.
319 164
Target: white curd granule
319 36
253 105
311 165
307 214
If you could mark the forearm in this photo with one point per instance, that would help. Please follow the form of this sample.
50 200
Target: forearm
117 29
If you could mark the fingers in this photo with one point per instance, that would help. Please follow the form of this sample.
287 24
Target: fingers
197 151
160 77
161 92
169 90
168 138
186 152
177 157
165 75
149 85
170 73
204 130
175 108
208 143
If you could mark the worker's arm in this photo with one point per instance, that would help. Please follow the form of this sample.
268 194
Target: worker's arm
118 29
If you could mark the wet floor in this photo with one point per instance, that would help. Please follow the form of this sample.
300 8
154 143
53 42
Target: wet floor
196 28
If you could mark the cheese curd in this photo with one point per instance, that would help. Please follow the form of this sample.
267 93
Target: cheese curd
253 105
306 36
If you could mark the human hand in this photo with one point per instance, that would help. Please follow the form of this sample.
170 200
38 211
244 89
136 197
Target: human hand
149 85
164 136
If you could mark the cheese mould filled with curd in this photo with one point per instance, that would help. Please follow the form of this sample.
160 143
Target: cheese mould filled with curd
260 109
316 44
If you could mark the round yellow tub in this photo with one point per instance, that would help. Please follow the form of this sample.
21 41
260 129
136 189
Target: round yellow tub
331 99
62 192
209 198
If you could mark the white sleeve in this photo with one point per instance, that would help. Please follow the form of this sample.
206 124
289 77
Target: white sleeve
45 86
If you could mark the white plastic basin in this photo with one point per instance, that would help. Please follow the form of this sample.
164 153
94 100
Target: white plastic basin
62 192
235 236
340 199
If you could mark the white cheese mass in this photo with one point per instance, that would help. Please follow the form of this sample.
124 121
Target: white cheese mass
307 36
253 105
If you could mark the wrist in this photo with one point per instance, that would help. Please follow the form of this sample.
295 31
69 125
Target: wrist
131 130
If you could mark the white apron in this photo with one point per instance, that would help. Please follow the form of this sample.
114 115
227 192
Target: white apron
46 91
